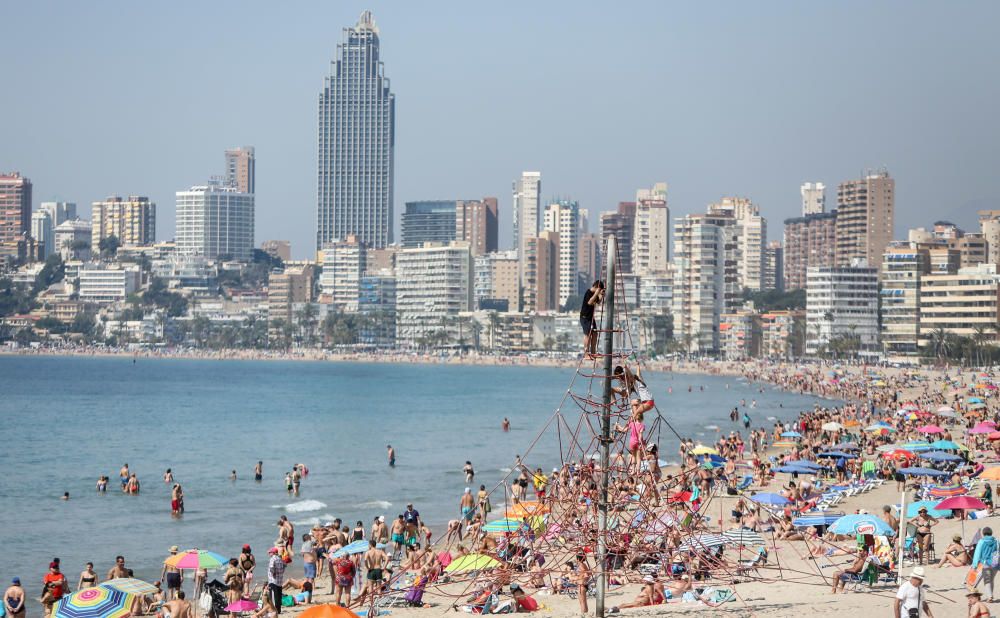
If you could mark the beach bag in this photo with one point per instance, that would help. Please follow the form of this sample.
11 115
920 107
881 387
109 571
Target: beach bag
205 602
995 557
972 577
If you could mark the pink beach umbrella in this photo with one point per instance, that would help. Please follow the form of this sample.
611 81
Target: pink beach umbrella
241 606
982 428
930 429
961 502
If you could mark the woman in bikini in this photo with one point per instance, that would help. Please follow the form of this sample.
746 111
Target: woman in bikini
955 554
88 578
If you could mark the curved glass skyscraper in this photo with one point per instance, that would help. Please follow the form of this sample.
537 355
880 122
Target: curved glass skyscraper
356 138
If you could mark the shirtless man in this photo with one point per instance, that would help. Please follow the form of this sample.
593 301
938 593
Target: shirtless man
379 530
392 455
119 570
398 534
177 608
296 480
454 531
123 475
258 471
375 561
468 505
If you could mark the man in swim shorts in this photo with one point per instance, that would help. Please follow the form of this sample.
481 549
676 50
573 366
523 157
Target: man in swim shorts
398 539
375 561
468 505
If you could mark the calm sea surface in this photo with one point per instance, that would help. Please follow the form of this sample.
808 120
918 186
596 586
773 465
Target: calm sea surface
66 421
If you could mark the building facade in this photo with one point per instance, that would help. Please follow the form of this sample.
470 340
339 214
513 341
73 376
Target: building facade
111 284
540 286
810 241
620 224
285 288
699 278
651 231
240 169
43 232
131 220
774 267
433 285
963 303
72 240
813 198
356 143
865 218
344 263
903 267
527 203
213 221
842 308
496 285
15 211
431 221
563 217
377 302
280 249
476 223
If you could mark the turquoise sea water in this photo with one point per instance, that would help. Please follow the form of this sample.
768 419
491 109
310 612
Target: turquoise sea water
69 420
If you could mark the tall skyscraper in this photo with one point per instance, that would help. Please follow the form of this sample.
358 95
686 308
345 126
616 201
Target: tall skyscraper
809 241
15 211
563 217
651 231
132 220
356 143
813 198
751 239
240 165
622 224
527 222
476 223
214 221
43 232
865 211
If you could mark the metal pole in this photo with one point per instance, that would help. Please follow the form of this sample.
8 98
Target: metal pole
901 539
602 515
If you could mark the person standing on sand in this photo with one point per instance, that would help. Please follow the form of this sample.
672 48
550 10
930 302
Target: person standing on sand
467 504
54 586
582 580
910 599
172 576
275 578
233 579
247 564
13 599
375 562
398 534
985 548
308 559
392 455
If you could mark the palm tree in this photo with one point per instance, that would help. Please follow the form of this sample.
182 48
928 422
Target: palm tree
979 338
940 343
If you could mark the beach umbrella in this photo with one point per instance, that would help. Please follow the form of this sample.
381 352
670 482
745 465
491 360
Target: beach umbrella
861 524
681 496
982 428
930 429
793 469
196 559
784 444
444 558
357 547
940 456
961 502
977 406
743 536
974 400
838 454
918 446
770 499
945 445
880 425
241 606
819 519
703 541
832 426
918 471
512 525
527 508
471 562
899 454
96 602
804 463
914 508
791 434
909 406
945 491
701 449
993 436
327 611
946 411
991 474
130 585
845 446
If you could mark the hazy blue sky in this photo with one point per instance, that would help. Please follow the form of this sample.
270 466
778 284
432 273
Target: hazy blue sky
748 98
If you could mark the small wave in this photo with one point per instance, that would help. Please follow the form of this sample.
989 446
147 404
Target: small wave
304 506
713 427
772 418
312 521
374 504
505 470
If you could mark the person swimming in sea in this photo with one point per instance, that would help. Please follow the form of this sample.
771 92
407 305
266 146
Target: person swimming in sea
258 471
470 473
391 452
168 476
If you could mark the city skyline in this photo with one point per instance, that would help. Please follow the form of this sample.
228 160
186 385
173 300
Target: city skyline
762 146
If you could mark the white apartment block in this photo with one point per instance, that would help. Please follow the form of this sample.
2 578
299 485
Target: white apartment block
651 232
433 284
698 290
960 303
751 239
69 233
496 279
813 198
841 302
43 231
527 196
343 266
564 218
656 293
108 285
214 220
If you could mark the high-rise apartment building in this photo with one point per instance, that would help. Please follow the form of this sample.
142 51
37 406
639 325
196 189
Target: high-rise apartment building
428 222
563 218
213 221
131 220
476 223
904 264
496 282
356 143
527 199
344 263
59 211
865 218
240 165
809 241
842 304
541 273
621 224
43 232
774 267
433 285
989 222
972 248
286 288
962 303
651 231
72 240
813 198
15 211
698 290
751 239
589 261
377 301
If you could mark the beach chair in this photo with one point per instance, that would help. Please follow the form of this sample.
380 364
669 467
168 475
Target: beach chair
866 579
745 482
748 567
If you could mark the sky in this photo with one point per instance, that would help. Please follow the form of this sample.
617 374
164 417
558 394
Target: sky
748 99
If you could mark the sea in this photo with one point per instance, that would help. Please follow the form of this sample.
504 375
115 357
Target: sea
68 420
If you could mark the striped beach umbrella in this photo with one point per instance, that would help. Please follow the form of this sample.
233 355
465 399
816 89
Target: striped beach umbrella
743 536
196 559
703 541
130 585
946 491
96 602
819 519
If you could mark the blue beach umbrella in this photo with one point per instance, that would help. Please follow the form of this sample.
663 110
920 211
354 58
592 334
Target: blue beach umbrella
804 463
791 434
819 519
944 445
790 469
838 454
860 524
940 456
357 547
974 400
917 447
922 472
770 499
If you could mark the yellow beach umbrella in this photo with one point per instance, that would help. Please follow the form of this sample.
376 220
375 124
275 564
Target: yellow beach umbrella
701 449
472 562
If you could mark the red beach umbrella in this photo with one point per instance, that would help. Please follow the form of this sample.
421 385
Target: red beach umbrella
961 502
